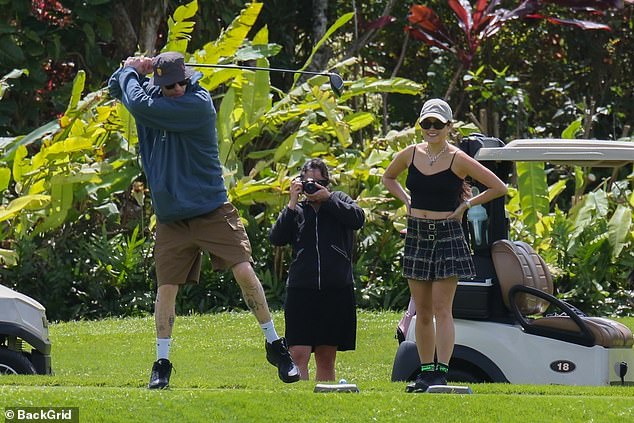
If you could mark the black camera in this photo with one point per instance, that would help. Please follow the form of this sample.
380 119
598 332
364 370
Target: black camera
310 186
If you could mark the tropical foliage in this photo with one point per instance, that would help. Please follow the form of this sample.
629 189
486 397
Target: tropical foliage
76 223
89 153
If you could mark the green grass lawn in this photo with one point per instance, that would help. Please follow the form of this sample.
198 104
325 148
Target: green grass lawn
221 374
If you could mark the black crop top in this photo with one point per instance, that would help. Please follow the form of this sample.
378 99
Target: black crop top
440 191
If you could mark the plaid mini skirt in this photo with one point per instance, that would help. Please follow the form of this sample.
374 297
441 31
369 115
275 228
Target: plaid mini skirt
436 249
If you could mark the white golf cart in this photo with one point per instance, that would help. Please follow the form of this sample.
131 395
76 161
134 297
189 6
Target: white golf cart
22 324
502 331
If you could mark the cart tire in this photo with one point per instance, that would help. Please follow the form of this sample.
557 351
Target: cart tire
465 376
406 363
15 363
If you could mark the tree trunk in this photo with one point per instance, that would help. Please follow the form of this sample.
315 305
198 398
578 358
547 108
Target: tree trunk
153 16
320 25
136 25
125 36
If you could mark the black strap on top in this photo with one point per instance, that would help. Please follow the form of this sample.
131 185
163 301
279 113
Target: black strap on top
450 164
454 156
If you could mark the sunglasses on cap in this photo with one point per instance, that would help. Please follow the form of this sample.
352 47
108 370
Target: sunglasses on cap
436 124
181 83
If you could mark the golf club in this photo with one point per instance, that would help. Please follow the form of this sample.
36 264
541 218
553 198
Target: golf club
336 83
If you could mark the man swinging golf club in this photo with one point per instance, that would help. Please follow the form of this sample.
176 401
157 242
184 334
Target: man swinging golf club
176 124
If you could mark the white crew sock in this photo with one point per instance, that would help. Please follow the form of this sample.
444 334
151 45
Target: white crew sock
163 348
269 332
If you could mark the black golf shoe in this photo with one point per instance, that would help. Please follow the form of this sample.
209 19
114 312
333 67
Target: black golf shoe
439 378
423 381
161 372
277 354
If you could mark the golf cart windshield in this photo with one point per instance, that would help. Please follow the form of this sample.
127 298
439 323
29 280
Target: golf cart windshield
573 152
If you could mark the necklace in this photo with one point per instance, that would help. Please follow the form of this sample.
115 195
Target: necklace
434 158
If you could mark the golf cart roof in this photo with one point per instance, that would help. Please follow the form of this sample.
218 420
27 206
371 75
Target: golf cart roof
596 153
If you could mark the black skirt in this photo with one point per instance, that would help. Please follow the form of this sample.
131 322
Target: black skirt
327 317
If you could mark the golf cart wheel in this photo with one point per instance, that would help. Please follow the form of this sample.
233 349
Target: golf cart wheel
15 363
406 363
465 376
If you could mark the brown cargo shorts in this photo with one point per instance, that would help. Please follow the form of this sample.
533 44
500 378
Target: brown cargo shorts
180 244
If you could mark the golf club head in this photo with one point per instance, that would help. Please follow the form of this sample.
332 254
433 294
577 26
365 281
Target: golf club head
448 389
336 83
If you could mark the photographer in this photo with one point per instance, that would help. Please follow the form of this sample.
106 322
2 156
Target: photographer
320 308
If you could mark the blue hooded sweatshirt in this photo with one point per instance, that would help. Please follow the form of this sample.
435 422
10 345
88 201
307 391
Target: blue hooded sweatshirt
178 145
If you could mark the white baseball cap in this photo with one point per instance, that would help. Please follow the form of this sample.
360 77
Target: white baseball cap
438 109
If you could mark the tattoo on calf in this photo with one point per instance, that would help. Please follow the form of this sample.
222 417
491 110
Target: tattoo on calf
253 298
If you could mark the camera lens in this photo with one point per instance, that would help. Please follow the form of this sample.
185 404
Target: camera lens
310 187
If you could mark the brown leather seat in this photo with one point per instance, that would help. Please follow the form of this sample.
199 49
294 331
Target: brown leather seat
516 263
606 332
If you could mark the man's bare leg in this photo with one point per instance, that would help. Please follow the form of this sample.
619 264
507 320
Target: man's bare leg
165 310
276 349
252 291
164 317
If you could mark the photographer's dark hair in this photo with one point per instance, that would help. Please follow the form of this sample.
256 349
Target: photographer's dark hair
317 164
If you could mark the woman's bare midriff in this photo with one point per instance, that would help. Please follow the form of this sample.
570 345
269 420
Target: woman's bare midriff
430 214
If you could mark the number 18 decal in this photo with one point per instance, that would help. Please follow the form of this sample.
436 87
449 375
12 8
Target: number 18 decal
562 366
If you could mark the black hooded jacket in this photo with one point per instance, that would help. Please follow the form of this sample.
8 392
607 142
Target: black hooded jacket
322 241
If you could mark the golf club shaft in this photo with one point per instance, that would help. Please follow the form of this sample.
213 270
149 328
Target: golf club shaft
205 65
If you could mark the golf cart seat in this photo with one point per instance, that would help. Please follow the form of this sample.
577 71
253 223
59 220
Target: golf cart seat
527 290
